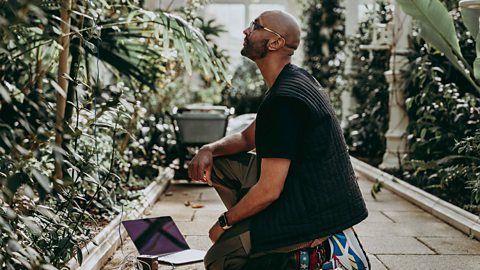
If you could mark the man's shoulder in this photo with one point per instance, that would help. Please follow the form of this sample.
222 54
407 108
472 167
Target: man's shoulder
297 77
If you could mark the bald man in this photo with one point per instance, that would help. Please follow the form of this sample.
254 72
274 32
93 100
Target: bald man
292 204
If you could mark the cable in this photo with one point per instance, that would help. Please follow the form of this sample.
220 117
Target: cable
120 233
131 261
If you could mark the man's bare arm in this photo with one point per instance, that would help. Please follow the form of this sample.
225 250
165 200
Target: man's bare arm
232 144
267 190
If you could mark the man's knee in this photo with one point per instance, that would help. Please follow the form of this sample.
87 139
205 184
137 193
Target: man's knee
232 167
232 261
218 168
213 262
242 159
231 250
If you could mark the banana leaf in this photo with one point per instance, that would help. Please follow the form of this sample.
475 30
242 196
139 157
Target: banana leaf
438 30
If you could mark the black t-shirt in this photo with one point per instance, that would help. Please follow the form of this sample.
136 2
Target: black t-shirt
320 196
281 122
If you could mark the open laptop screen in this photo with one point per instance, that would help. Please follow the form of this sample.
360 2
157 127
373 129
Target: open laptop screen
155 236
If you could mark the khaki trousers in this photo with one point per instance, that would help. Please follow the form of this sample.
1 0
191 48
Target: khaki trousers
232 176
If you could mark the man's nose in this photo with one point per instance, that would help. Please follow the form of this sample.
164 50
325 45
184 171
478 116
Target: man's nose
246 31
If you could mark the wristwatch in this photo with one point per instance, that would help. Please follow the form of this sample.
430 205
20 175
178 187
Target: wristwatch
222 220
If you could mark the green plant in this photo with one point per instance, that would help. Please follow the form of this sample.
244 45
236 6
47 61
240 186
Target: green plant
442 138
324 43
438 29
444 119
443 125
211 90
365 131
247 90
122 58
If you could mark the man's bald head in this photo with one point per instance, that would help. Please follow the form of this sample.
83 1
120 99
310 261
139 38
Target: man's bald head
283 23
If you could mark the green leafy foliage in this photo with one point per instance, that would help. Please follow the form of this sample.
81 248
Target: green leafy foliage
248 88
437 29
211 90
366 127
443 111
366 82
324 43
444 120
376 188
125 62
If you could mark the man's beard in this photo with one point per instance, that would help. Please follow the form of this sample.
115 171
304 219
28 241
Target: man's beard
255 51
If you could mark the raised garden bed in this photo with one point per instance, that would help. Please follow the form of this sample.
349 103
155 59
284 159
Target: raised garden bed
96 253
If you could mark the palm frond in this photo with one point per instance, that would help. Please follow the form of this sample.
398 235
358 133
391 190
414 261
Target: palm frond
136 46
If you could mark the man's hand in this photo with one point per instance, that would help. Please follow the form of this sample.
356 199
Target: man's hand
200 167
215 232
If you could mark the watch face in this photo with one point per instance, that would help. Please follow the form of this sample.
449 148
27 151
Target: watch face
222 221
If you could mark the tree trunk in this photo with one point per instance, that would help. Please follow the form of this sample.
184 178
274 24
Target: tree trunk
63 83
39 71
75 52
76 45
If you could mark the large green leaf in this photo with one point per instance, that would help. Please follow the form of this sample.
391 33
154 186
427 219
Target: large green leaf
136 46
180 44
166 39
437 28
434 21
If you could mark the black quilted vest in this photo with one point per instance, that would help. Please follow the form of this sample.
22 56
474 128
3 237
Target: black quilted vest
321 195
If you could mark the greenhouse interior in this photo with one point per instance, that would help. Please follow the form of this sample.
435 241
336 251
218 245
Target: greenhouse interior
240 134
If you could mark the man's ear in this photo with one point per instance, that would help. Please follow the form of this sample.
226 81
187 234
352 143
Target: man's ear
276 44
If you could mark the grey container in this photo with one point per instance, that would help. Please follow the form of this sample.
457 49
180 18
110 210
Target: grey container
197 128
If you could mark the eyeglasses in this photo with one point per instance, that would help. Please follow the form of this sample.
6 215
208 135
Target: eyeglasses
255 26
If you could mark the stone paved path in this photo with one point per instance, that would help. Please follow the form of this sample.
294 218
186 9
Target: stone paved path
396 235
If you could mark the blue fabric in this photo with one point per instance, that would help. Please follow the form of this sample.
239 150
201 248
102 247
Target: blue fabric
346 252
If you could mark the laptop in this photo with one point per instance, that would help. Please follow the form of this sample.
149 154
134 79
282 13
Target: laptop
161 237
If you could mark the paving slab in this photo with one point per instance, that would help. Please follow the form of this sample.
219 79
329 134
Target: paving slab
378 217
212 205
195 227
396 235
430 262
453 246
391 205
209 194
182 192
375 263
417 217
173 208
206 214
366 189
394 245
396 229
198 242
